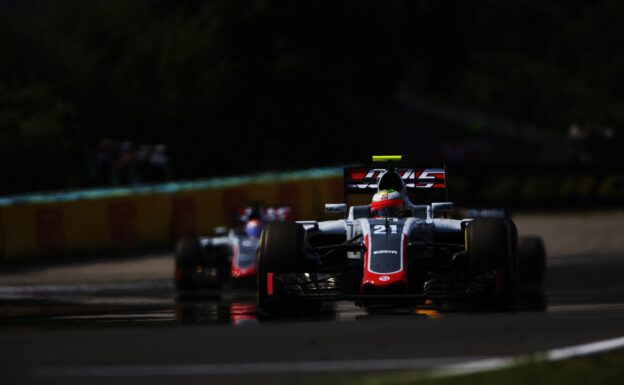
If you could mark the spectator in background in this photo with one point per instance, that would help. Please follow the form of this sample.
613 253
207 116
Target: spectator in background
142 162
105 174
159 163
121 164
126 166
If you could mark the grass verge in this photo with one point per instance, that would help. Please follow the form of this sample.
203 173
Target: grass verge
601 369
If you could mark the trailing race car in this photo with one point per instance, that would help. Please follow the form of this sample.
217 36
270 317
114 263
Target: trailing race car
391 251
230 257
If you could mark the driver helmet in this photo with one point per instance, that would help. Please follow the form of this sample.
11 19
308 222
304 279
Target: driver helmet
387 203
253 228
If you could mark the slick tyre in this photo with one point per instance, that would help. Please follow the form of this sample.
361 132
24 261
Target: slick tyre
187 258
491 247
281 252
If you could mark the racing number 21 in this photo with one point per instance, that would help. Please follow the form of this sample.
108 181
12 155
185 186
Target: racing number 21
381 229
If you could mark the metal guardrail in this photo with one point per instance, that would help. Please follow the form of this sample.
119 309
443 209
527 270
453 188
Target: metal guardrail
171 187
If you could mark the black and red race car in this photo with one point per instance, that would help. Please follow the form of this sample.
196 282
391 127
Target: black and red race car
413 255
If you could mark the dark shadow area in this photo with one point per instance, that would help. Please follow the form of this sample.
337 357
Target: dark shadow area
130 92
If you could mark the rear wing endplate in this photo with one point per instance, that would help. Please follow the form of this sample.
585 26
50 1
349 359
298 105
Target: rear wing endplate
267 213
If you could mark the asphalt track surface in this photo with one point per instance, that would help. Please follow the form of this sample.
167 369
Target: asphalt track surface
120 321
139 332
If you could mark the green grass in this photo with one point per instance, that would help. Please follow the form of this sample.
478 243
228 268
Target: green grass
604 369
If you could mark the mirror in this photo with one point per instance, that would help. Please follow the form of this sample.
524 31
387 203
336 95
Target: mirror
220 231
336 207
442 206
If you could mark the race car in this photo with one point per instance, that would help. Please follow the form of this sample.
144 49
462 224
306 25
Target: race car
391 252
230 256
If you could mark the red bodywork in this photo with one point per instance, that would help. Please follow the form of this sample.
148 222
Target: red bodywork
240 272
396 281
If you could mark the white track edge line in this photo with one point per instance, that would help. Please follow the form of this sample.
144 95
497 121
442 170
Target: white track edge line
438 369
551 355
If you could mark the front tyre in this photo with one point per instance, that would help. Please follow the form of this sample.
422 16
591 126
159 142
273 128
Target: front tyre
491 249
200 268
187 258
281 253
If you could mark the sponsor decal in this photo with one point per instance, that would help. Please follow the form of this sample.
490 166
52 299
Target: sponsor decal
375 173
385 252
384 278
428 178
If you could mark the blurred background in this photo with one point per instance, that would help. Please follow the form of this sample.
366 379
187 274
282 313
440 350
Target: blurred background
109 93
128 125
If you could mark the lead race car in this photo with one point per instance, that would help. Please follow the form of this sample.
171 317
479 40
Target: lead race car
389 252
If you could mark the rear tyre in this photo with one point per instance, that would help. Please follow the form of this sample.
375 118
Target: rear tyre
491 248
281 252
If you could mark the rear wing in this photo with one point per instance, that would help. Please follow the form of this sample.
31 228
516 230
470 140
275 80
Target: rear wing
267 213
423 185
363 180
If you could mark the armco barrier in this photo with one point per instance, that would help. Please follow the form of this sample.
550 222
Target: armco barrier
83 222
538 187
42 226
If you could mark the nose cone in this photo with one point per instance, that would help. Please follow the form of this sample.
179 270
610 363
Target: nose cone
384 284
